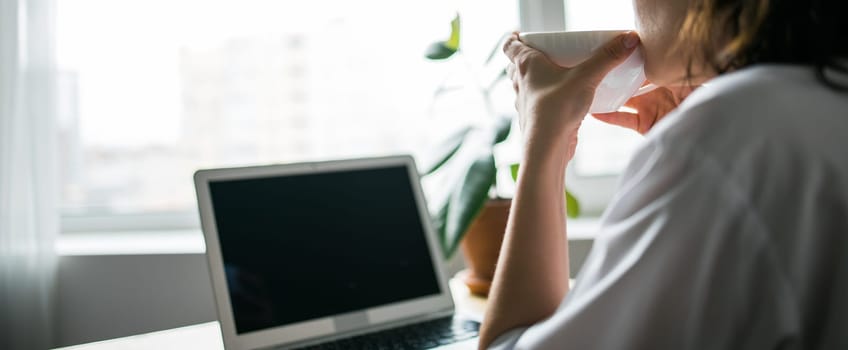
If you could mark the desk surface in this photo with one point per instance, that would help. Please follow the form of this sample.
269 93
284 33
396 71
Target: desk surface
207 336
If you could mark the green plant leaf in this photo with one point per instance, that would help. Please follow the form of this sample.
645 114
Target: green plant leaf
446 150
572 206
453 40
439 224
439 51
445 48
466 202
502 128
513 170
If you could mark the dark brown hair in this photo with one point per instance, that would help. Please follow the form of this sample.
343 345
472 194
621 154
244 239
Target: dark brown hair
730 34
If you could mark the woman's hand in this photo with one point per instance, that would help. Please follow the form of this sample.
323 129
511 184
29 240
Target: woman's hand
650 108
552 100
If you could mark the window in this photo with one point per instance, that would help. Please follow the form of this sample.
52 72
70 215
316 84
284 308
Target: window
603 150
153 90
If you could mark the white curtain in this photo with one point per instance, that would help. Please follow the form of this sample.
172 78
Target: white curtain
28 190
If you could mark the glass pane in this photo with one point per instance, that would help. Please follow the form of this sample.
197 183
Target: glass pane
155 89
599 14
603 149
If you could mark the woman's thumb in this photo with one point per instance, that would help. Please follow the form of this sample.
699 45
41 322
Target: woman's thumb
611 55
622 119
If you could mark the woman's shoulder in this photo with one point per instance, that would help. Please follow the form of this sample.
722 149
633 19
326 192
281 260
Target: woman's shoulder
757 105
766 130
765 88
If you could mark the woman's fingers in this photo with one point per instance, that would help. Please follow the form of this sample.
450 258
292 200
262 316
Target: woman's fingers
634 121
522 55
622 119
510 72
610 55
513 47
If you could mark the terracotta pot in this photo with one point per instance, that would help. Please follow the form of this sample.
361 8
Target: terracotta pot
482 244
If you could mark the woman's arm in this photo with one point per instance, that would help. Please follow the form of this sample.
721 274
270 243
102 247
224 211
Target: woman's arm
532 275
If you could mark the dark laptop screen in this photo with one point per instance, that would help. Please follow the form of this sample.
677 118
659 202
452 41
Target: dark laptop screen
308 246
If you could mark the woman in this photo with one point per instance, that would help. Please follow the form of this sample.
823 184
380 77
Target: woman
730 225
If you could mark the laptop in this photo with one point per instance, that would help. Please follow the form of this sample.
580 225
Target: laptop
337 255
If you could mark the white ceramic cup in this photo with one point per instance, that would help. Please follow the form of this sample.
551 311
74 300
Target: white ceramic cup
569 49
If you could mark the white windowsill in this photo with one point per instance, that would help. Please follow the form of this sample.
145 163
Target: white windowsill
131 243
583 228
191 241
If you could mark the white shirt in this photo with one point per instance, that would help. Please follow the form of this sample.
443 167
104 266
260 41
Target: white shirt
729 229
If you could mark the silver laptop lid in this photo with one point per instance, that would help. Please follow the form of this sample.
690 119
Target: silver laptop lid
309 250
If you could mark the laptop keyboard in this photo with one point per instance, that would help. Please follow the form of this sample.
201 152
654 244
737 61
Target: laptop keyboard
426 335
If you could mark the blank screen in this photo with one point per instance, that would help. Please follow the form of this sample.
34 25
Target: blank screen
302 247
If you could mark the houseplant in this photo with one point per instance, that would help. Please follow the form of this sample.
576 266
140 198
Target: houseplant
473 216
